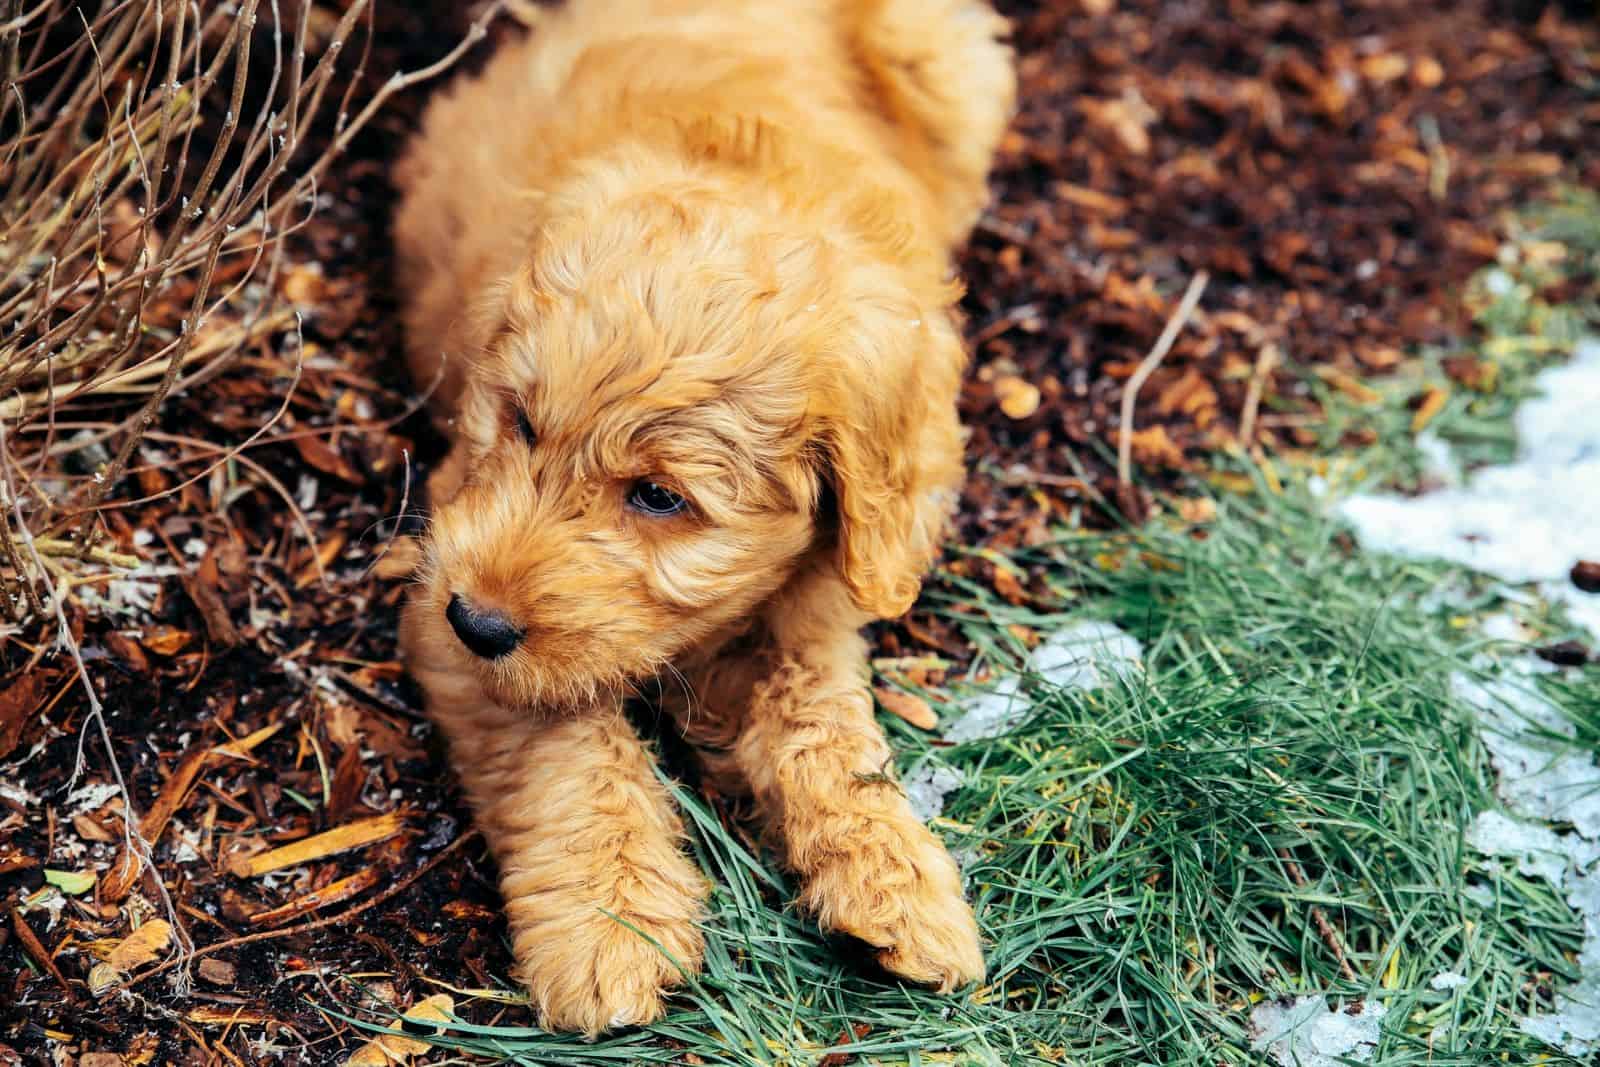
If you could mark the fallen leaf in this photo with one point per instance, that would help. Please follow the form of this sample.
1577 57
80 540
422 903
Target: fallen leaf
90 830
18 703
165 640
1433 402
72 883
144 945
913 709
1018 399
102 976
1586 575
327 459
1154 448
1197 509
395 1048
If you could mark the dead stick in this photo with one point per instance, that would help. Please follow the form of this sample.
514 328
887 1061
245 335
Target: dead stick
41 955
1330 936
1147 367
1266 361
317 924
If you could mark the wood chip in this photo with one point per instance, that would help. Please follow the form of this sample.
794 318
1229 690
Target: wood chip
1349 386
351 835
40 955
1433 402
217 972
333 893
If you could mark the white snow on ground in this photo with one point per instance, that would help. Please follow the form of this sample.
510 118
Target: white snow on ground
1086 654
1308 1033
1543 775
927 786
1572 864
1528 521
1448 980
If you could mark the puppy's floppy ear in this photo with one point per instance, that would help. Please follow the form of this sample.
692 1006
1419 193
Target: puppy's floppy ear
893 445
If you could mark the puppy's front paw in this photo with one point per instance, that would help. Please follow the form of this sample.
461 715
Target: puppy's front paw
937 944
599 974
902 895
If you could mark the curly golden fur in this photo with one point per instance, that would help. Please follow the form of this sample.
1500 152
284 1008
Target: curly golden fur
699 246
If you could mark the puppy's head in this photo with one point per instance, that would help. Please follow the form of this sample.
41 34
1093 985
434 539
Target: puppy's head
678 406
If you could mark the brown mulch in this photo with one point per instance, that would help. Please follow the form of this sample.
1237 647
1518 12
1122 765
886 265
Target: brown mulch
1339 169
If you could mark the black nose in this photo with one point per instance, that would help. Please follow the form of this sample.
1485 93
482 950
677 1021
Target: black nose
486 633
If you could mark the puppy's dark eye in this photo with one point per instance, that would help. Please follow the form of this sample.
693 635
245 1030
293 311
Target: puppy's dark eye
525 428
656 501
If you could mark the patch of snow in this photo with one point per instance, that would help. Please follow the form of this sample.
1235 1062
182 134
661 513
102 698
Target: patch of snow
1542 774
990 714
926 787
1503 626
1082 655
1448 980
1087 654
1571 863
1438 459
1307 1033
1527 521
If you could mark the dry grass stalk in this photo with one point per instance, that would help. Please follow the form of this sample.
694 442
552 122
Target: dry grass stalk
1147 367
155 157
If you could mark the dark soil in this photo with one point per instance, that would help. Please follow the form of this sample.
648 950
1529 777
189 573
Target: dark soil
1339 169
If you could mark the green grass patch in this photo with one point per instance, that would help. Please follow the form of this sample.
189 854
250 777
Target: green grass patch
1274 805
1146 859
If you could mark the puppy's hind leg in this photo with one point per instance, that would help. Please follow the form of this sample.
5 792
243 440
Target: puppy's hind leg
819 767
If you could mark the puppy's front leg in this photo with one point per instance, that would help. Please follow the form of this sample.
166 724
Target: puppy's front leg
819 765
580 827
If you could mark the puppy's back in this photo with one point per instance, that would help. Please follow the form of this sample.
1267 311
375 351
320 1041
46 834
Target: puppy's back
916 93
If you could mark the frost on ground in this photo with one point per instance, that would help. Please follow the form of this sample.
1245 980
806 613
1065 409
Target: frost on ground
1307 1033
1082 655
1528 521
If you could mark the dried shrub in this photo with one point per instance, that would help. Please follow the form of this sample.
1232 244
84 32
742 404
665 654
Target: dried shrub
154 157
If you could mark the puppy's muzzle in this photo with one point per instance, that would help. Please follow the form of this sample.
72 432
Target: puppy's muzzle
485 633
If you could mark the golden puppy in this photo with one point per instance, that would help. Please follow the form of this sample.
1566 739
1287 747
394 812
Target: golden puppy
681 271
